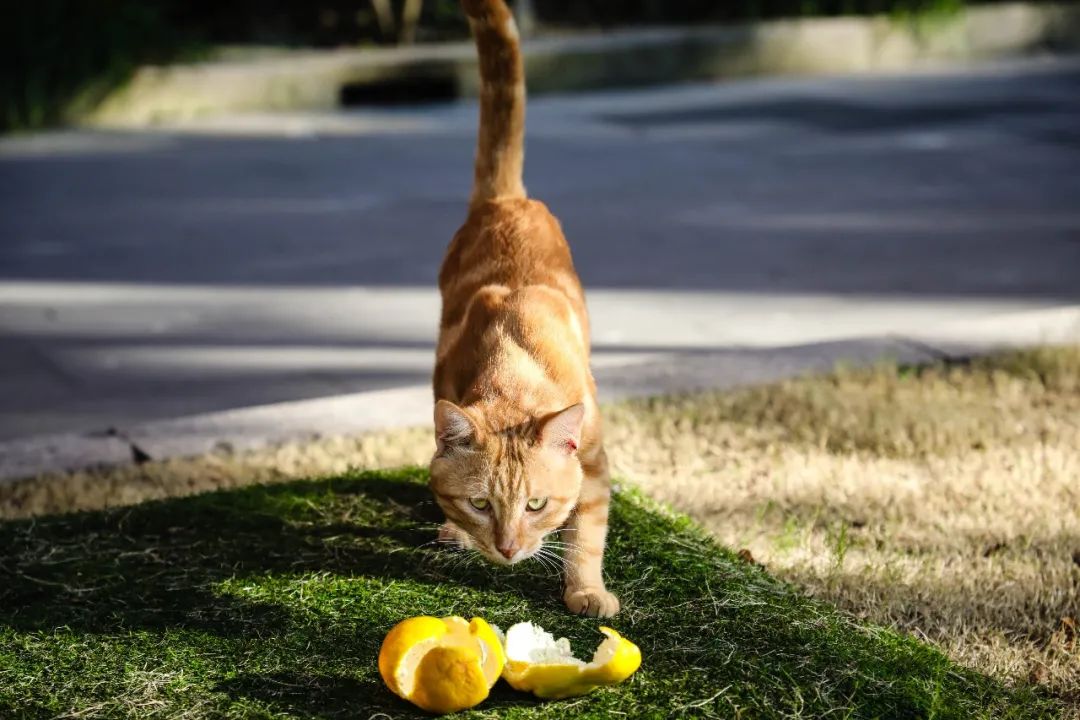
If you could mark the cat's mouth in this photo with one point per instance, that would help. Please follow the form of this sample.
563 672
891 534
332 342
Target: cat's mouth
453 538
497 558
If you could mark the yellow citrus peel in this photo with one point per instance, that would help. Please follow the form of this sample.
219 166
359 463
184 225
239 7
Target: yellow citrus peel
441 665
450 664
537 663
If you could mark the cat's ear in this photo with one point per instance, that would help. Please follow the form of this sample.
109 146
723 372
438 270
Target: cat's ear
562 430
453 427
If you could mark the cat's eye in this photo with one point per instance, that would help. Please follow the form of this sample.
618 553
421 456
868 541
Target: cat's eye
535 504
479 503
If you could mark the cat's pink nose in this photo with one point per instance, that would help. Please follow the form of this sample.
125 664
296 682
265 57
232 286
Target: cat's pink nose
508 551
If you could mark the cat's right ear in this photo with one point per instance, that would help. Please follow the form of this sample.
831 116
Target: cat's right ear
562 430
453 427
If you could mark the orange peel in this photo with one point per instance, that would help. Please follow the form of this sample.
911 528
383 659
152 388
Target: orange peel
538 663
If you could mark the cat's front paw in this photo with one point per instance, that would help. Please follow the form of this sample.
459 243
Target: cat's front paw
591 601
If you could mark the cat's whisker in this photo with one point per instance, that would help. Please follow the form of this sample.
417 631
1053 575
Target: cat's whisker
549 559
441 543
463 560
555 570
560 559
560 543
563 547
546 563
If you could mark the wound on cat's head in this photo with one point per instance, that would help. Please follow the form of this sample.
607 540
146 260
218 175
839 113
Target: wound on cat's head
503 489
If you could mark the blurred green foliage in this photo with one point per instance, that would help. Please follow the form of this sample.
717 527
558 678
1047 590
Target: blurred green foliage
59 57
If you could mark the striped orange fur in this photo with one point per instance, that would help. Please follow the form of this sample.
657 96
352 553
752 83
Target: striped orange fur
520 455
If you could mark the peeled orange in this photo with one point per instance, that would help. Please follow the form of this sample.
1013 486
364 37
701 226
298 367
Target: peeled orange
441 665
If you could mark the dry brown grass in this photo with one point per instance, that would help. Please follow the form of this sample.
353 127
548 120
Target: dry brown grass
944 500
97 488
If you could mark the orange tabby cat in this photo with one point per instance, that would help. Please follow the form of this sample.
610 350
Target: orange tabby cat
519 450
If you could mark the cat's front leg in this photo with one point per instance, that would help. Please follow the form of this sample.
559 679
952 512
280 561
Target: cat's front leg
585 537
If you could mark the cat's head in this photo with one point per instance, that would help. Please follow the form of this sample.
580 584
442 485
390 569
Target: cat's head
503 490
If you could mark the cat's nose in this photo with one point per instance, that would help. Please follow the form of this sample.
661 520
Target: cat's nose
508 550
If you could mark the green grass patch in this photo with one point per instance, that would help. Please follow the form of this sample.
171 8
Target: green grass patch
272 601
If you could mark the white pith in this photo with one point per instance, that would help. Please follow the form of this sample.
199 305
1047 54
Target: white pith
529 643
406 669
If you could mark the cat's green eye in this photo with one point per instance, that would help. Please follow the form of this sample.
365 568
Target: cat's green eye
479 503
535 504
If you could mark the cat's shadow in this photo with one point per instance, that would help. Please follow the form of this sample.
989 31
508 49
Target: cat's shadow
184 564
160 565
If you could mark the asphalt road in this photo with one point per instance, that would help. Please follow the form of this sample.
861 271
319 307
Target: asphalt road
251 260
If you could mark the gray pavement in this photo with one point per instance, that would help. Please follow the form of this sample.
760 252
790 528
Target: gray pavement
205 267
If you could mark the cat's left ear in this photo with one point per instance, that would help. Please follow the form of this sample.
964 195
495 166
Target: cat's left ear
562 430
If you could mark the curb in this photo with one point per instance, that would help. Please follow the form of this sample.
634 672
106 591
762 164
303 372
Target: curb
264 425
670 373
312 80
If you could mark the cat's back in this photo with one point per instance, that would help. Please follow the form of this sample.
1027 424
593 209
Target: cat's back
509 340
514 244
513 307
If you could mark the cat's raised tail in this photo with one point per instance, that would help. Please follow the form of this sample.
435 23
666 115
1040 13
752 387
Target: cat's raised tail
500 147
